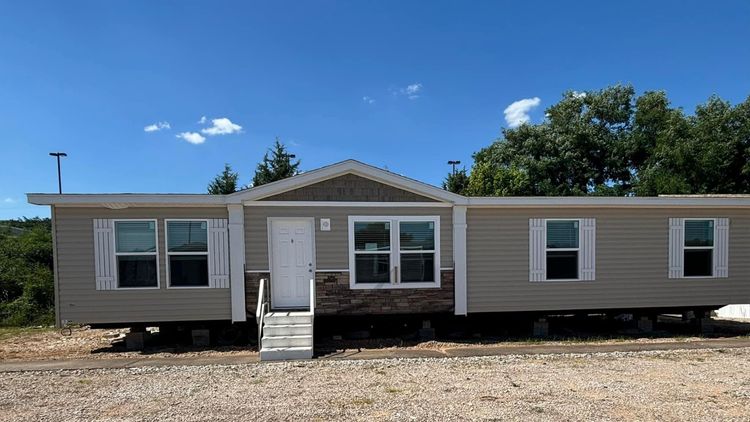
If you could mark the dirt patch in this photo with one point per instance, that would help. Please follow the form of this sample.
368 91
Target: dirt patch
49 344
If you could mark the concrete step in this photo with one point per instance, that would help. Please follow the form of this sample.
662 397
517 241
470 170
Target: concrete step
288 330
286 353
287 318
287 341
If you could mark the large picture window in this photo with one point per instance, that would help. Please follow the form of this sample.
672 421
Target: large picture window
394 252
136 254
187 253
563 249
698 251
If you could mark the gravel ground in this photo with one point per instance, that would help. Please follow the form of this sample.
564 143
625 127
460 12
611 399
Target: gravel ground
674 385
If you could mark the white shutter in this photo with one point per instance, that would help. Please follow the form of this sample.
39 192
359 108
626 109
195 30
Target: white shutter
587 261
218 253
537 249
676 244
721 248
104 254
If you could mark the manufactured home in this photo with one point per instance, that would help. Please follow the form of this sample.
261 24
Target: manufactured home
351 239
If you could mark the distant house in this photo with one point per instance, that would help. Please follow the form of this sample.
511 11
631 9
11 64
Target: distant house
352 239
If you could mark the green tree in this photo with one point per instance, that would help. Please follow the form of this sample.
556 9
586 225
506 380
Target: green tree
456 182
704 153
26 280
580 149
276 167
224 183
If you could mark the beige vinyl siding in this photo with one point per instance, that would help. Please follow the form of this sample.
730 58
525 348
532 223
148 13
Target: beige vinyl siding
78 299
631 262
332 247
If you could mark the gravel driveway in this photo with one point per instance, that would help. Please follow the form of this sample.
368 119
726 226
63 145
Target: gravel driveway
675 385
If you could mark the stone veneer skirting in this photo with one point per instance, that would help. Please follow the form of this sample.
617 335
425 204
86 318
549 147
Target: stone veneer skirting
334 297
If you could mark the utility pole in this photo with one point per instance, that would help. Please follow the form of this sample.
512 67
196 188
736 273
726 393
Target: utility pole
454 163
59 174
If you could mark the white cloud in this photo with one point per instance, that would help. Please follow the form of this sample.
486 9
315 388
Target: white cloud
194 138
221 126
157 127
517 113
202 120
9 201
368 100
411 91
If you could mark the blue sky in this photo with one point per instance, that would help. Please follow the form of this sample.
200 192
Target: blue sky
403 84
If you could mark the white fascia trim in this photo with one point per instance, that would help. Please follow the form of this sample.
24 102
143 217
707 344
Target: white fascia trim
344 167
124 200
346 204
602 201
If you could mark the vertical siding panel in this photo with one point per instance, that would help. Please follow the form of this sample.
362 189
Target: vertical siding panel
537 249
588 249
103 254
676 242
218 260
721 257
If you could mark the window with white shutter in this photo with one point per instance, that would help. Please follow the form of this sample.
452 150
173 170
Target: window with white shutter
698 247
562 249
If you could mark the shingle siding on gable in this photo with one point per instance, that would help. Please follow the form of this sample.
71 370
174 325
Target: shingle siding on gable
349 187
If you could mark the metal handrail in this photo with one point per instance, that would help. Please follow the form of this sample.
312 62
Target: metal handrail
261 297
260 311
312 297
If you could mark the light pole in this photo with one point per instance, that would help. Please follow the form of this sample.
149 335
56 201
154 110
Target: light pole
454 163
59 175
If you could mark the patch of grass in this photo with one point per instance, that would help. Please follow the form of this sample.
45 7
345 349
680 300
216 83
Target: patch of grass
362 401
393 390
85 381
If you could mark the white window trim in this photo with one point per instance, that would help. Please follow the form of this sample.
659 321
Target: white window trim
155 253
395 252
712 247
578 249
168 254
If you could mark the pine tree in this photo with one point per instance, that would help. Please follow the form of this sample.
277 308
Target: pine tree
276 167
456 182
224 183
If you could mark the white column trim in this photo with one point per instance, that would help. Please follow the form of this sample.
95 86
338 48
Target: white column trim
459 260
237 261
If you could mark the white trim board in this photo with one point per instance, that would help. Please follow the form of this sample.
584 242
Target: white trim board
346 204
126 200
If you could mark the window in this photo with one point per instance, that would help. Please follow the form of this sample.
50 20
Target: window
698 250
136 254
187 253
417 251
394 252
562 249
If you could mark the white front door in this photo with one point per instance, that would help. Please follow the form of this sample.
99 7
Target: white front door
292 262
